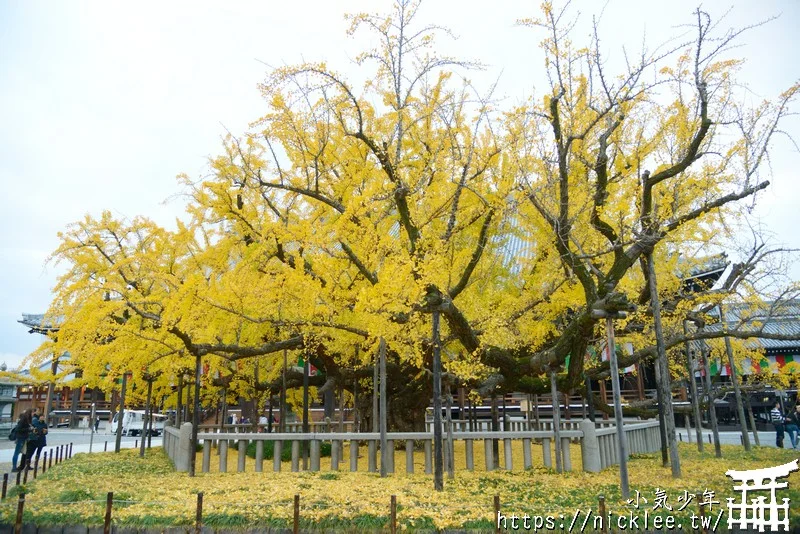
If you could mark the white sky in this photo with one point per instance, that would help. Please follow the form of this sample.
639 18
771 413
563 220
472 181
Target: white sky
103 104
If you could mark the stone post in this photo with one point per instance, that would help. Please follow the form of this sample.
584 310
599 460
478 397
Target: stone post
590 447
184 455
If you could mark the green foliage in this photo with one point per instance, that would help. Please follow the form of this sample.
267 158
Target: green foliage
16 490
215 519
75 495
286 450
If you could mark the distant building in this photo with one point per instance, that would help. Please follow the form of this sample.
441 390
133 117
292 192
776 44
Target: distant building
8 397
67 404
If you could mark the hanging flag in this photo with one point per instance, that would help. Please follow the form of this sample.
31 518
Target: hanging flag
626 349
312 371
786 359
760 366
716 368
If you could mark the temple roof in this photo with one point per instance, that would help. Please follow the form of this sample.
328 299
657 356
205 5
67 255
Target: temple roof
39 324
775 317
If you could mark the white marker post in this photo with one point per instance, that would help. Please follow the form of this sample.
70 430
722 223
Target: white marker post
91 425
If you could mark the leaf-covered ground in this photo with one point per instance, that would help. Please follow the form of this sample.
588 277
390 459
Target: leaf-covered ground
148 492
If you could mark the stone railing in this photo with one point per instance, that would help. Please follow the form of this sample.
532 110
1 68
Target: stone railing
598 447
514 425
316 426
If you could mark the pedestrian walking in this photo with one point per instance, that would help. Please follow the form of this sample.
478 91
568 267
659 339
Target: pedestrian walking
39 431
793 425
21 432
778 421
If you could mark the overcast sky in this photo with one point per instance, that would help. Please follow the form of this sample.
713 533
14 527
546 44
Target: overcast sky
103 104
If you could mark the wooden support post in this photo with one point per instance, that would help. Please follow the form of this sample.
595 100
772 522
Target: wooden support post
602 512
198 518
107 521
409 456
393 515
5 485
497 514
44 462
702 508
296 523
20 509
470 454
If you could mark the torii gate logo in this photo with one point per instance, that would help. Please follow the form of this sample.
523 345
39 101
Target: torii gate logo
759 513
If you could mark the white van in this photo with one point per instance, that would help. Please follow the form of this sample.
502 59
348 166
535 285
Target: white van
133 423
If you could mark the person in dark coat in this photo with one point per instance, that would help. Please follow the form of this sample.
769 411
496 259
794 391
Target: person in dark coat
23 430
793 425
39 426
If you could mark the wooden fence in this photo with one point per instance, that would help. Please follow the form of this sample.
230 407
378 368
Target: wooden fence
598 446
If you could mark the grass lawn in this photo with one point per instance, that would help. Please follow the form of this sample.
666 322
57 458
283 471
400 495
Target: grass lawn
149 493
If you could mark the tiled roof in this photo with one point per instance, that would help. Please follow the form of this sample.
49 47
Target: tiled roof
37 322
773 317
698 267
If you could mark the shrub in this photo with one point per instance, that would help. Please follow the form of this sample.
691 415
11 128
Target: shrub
286 450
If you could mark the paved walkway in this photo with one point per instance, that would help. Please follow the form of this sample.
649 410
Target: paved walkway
81 440
732 438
